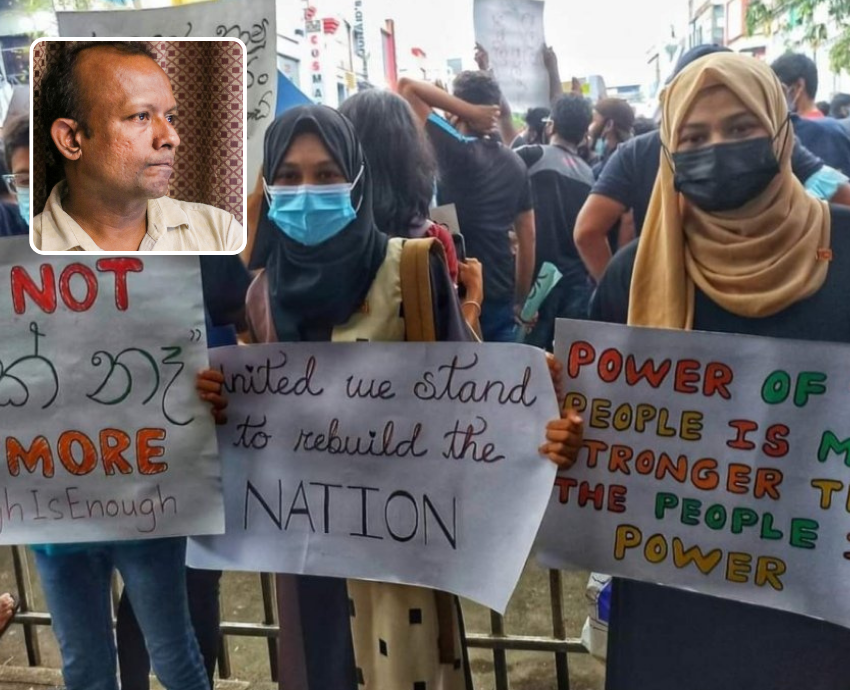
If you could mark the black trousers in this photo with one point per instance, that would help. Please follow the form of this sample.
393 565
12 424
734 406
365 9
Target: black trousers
202 587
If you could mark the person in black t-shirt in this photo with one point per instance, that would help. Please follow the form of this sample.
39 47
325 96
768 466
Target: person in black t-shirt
535 128
560 183
489 185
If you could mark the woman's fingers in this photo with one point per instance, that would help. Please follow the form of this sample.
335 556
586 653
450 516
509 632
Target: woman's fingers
211 375
219 402
208 386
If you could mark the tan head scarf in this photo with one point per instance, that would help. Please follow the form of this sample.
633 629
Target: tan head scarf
754 261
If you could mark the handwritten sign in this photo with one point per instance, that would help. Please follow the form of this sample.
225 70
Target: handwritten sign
405 463
512 33
251 21
103 435
711 462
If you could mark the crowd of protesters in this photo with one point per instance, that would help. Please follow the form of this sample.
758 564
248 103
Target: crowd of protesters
726 213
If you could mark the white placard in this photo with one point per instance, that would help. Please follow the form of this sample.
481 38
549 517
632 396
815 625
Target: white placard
512 33
411 463
102 433
712 462
251 21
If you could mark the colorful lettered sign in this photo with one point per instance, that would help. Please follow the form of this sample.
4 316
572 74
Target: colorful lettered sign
712 462
102 433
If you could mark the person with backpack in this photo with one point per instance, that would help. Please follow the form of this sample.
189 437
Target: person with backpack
331 275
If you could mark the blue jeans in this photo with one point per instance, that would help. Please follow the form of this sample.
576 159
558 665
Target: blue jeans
497 322
77 588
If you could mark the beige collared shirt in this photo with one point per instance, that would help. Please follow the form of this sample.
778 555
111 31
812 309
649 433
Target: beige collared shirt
172 226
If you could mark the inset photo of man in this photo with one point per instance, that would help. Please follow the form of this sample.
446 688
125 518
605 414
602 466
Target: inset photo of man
138 146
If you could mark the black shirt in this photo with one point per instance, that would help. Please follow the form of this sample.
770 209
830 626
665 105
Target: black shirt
560 184
825 138
11 222
669 639
489 185
629 175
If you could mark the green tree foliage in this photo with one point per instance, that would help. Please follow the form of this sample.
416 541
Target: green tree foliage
804 20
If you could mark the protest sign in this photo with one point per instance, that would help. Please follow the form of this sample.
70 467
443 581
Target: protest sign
512 33
407 463
711 462
102 432
251 21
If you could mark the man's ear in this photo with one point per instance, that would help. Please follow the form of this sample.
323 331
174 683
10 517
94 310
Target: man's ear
799 87
65 134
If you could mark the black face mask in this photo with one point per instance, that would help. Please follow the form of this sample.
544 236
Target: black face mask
725 177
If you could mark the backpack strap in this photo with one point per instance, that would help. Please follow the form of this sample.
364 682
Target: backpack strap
416 295
417 301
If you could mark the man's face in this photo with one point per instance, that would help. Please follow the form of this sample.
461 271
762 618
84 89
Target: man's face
130 113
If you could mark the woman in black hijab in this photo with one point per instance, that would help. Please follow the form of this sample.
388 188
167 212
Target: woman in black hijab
330 274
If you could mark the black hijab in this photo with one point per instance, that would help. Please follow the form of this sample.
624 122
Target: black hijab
318 287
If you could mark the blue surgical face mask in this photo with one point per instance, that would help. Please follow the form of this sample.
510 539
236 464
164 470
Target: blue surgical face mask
601 147
312 214
24 204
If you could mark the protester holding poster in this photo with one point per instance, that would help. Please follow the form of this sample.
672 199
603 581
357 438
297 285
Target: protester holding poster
332 275
732 243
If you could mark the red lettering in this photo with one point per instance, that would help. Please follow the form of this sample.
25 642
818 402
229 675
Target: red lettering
744 427
776 444
619 460
610 365
23 284
647 372
144 451
738 478
593 450
113 443
587 495
564 485
66 452
581 354
121 267
767 483
717 377
679 470
65 287
39 451
616 499
687 376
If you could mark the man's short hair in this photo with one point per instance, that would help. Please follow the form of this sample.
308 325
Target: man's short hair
571 117
16 135
618 111
60 91
477 88
535 119
793 66
839 101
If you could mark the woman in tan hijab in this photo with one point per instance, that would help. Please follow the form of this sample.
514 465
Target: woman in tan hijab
731 243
